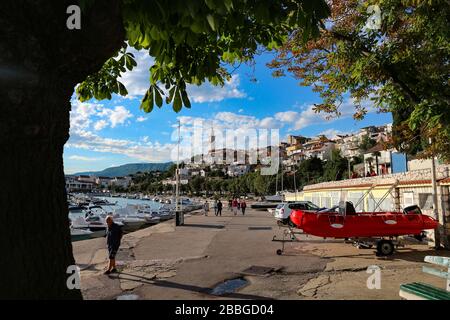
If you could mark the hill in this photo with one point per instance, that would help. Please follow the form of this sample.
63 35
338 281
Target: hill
126 169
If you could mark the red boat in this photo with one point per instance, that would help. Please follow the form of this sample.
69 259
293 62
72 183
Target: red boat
345 222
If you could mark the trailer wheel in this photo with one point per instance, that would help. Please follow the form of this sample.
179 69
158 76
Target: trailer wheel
279 252
385 248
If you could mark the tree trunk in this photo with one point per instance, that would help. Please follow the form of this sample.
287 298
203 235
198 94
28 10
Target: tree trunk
41 61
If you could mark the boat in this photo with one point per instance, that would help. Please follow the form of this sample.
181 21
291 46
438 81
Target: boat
131 224
364 228
330 223
80 234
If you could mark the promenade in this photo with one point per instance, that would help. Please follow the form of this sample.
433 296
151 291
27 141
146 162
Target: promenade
188 262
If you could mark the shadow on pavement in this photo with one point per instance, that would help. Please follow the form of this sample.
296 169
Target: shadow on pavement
174 285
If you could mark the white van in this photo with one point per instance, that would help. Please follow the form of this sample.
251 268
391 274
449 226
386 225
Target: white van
283 210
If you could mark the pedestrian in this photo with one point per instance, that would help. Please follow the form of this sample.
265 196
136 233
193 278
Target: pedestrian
206 207
238 204
219 208
215 207
235 206
243 206
113 237
230 204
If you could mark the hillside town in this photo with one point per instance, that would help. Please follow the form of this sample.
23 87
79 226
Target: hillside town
367 153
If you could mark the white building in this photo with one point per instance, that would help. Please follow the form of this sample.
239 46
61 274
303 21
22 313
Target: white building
103 182
73 184
237 170
122 182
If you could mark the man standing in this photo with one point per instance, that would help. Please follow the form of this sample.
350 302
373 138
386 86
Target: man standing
215 207
219 208
206 207
243 206
113 238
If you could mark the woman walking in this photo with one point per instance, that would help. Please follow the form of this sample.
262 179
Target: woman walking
235 206
243 206
206 207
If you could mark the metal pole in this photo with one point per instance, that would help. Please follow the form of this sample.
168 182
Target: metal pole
349 173
437 235
295 185
178 213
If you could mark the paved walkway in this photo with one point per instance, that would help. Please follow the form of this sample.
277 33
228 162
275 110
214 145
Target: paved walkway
186 262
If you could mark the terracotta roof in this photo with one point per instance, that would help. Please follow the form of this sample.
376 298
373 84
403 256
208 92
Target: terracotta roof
375 148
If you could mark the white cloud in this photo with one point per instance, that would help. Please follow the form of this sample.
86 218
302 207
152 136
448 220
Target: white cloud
241 110
150 152
141 119
99 125
116 116
209 93
137 81
82 158
287 116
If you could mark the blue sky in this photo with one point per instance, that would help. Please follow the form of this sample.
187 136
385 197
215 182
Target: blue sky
114 132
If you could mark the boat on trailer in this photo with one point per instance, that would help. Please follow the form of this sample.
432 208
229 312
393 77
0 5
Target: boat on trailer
364 229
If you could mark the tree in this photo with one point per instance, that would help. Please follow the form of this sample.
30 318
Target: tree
400 66
366 143
335 168
43 60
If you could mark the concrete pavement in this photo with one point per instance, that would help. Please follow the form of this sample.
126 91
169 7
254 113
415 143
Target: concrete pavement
186 262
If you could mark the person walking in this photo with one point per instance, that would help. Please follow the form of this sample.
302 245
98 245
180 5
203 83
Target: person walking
235 206
219 208
215 207
113 237
243 206
230 204
206 208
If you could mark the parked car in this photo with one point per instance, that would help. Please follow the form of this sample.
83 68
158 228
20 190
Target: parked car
283 210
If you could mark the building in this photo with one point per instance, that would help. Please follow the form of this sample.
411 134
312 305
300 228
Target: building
320 147
121 182
74 185
236 170
103 182
385 193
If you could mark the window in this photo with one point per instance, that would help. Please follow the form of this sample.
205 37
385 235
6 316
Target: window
425 201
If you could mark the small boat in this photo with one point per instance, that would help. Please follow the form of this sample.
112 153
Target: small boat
131 224
80 234
347 223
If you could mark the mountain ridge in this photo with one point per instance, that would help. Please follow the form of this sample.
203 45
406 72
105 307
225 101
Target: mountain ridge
127 169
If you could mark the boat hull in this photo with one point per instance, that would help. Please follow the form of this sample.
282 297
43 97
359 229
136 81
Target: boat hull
383 224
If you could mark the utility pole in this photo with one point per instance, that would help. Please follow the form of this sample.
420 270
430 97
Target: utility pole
437 231
295 185
349 171
179 219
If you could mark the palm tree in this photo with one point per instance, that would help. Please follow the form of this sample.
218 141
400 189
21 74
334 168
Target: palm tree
376 154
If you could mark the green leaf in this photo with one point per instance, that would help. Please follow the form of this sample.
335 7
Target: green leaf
211 21
158 97
177 105
185 98
147 102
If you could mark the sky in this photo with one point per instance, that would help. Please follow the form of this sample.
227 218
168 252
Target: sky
113 132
